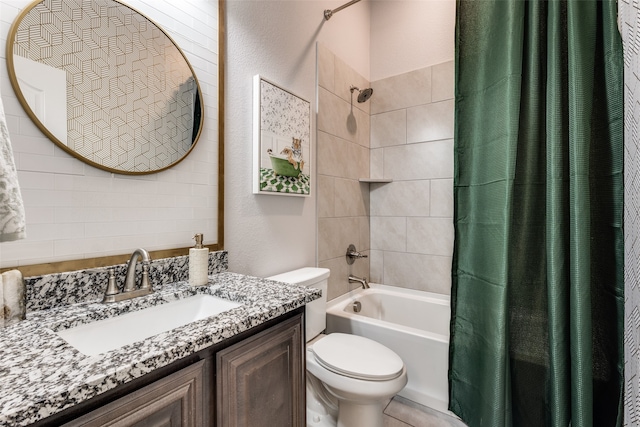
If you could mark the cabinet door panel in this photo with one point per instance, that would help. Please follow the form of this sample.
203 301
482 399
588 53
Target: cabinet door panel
260 381
174 401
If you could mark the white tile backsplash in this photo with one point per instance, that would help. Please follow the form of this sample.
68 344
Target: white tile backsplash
36 180
39 215
76 211
44 163
16 251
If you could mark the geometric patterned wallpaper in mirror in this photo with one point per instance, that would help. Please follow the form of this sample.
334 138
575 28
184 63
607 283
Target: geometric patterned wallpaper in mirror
629 17
130 92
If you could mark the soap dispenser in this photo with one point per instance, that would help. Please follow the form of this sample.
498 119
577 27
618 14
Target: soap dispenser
198 263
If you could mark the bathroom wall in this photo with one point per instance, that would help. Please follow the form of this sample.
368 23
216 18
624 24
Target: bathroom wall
629 13
343 158
412 116
76 211
424 37
277 39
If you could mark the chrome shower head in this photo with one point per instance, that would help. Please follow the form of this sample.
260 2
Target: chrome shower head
364 94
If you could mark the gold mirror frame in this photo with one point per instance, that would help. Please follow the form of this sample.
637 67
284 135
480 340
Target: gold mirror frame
154 112
80 264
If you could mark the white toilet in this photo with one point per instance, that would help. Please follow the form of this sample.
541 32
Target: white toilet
360 374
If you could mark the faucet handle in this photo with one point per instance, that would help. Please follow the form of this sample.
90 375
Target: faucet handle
352 254
112 286
144 283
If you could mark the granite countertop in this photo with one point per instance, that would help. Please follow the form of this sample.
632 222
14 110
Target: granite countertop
41 374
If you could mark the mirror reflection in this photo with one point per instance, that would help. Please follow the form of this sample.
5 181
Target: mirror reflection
105 84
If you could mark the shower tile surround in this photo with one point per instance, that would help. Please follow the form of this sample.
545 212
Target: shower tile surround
343 158
46 375
404 225
412 118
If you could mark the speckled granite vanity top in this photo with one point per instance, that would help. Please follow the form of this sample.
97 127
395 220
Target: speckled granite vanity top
40 374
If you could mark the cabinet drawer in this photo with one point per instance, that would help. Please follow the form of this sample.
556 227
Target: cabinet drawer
178 400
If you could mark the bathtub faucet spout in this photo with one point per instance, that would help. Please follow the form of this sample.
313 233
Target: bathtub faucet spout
363 281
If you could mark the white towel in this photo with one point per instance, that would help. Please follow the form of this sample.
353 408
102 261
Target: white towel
12 219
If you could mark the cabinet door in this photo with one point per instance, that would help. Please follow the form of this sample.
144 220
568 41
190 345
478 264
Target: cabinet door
177 400
261 380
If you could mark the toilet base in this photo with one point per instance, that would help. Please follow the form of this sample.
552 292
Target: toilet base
322 407
352 414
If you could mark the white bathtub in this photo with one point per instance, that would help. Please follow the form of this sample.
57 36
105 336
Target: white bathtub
414 324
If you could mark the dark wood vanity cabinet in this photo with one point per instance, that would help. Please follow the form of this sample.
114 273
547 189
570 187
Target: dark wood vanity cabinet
261 382
178 400
254 379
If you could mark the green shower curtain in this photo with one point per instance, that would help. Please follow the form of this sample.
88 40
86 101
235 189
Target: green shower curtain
537 297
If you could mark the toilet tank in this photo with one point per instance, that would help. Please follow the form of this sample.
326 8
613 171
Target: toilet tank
315 311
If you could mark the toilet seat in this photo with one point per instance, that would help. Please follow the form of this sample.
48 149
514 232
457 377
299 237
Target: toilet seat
357 357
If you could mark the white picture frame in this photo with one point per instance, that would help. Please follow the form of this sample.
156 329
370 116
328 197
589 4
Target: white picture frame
281 141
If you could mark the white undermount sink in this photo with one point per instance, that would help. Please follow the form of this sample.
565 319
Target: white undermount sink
109 334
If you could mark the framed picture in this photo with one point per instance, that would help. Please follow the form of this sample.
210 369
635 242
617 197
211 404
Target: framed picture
281 140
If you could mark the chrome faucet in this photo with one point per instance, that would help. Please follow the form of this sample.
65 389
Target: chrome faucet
362 281
130 280
112 294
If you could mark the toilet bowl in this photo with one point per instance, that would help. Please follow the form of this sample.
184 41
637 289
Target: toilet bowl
350 379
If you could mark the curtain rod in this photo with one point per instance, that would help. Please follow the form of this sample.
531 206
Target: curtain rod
328 13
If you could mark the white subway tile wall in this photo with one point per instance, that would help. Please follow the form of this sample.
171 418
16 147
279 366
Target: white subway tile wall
76 211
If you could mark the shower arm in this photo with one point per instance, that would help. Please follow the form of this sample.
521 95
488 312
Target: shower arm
328 13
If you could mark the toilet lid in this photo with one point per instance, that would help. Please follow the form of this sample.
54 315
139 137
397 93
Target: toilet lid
357 357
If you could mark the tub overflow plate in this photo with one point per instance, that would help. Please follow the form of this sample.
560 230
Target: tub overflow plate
356 306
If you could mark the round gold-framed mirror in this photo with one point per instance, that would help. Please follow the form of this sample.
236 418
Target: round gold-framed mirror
106 84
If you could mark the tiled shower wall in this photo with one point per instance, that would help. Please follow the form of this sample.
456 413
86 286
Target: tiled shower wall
343 158
629 12
403 133
412 116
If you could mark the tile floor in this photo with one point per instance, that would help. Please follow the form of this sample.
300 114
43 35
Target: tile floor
402 412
